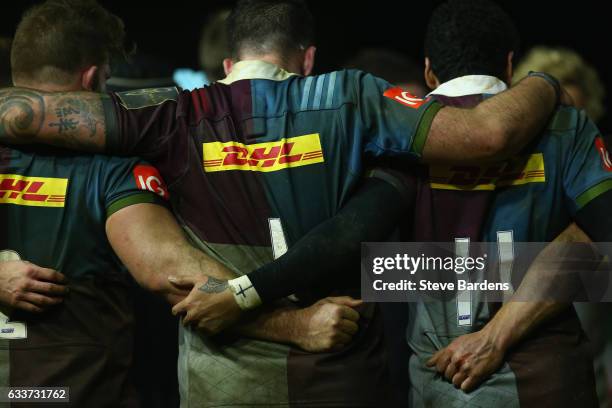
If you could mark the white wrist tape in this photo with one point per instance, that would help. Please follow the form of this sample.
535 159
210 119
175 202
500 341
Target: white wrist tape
244 292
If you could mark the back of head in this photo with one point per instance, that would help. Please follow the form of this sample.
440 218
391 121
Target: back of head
213 46
57 38
469 37
261 27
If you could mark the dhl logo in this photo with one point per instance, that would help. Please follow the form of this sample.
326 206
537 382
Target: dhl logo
32 191
512 173
271 156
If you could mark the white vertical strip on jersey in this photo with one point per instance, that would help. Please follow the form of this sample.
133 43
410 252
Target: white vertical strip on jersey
316 104
306 95
277 236
11 330
464 298
505 249
331 85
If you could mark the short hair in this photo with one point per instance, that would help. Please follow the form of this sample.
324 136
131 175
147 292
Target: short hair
269 26
59 37
469 37
571 69
213 46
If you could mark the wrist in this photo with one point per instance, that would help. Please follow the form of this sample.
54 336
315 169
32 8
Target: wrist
244 292
551 80
498 335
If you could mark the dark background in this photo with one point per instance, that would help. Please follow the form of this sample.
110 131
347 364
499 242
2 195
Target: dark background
171 29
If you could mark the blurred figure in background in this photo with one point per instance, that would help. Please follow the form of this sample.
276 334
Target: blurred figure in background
395 67
583 83
212 49
577 76
5 62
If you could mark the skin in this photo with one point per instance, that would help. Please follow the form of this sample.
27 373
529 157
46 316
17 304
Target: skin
150 243
472 358
493 130
23 285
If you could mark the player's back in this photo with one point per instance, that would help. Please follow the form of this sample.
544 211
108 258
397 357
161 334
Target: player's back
267 161
530 198
53 209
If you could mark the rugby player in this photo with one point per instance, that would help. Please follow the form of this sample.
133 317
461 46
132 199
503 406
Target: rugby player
70 213
582 197
565 178
277 130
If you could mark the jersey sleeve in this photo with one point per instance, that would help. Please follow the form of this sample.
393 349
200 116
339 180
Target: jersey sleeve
144 122
131 181
588 173
393 122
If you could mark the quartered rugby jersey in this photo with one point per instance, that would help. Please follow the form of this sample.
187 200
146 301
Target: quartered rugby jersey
252 166
53 210
530 198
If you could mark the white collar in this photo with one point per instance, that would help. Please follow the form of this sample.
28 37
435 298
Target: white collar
255 69
470 85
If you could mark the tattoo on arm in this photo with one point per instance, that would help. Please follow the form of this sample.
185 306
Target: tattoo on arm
22 113
75 120
214 285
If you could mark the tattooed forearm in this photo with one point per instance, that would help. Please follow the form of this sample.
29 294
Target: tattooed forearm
75 120
73 112
22 114
214 285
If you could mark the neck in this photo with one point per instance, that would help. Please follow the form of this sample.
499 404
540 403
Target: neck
275 59
48 86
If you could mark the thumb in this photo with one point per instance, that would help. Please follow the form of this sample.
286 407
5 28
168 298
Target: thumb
434 359
345 301
182 282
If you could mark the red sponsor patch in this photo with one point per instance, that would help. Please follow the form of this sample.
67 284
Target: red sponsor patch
149 179
404 97
603 153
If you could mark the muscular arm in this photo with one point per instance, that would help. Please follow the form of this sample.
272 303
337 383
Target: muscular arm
77 120
472 358
150 243
495 129
329 254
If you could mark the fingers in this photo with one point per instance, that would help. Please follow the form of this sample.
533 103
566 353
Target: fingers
189 318
342 338
46 274
181 307
39 300
471 383
46 288
182 282
443 361
345 301
349 327
459 378
28 307
349 313
432 361
451 369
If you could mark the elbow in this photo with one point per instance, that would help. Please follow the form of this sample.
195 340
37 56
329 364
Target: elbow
495 141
